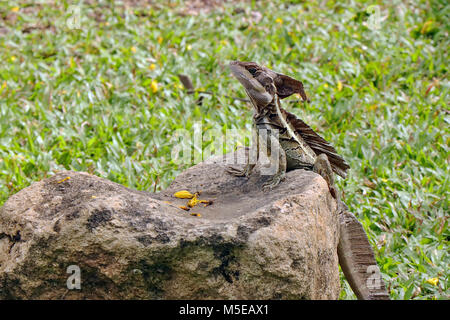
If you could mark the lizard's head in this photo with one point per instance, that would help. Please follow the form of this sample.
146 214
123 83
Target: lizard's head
257 83
262 83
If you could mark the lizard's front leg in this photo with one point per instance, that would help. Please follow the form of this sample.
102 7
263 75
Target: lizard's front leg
239 172
277 158
250 159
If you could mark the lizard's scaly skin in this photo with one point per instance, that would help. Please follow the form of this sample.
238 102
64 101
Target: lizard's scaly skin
297 146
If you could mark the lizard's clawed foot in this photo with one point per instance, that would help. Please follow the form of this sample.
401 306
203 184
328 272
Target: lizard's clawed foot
272 183
238 172
341 206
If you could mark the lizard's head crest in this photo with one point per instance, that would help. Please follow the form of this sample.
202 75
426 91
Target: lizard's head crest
263 83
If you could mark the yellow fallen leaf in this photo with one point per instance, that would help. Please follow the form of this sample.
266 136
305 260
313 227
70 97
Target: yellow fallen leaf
183 194
184 208
433 281
65 179
154 86
426 27
206 202
193 202
339 86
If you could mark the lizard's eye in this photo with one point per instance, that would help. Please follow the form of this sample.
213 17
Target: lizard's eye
252 71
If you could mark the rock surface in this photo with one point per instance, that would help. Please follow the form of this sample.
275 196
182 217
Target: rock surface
132 244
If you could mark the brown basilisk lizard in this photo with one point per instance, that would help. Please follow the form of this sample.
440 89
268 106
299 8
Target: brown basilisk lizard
296 146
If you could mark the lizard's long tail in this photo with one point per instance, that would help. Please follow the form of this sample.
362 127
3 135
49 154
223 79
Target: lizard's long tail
357 260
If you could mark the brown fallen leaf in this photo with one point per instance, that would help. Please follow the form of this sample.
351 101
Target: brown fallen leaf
369 184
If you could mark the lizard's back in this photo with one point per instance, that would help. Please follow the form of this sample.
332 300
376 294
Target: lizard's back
318 144
301 143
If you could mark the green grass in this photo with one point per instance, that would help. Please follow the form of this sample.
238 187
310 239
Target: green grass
83 100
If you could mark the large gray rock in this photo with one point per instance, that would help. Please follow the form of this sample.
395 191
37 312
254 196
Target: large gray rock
131 244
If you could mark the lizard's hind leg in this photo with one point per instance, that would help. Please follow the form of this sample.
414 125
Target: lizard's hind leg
322 166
